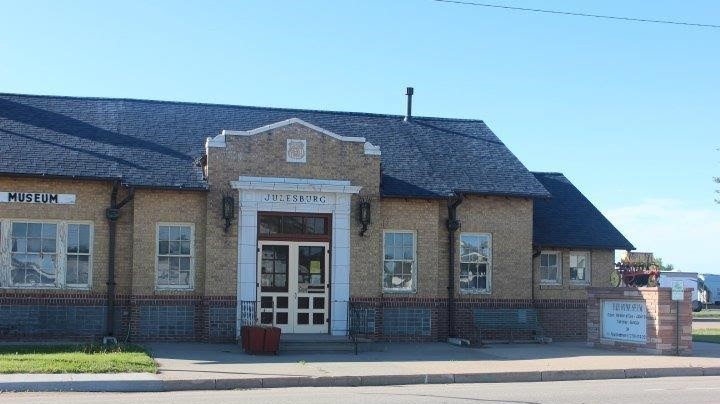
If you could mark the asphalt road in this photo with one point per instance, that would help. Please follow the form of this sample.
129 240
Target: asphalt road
696 390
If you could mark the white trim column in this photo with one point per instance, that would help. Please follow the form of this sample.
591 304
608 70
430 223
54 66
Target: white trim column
294 195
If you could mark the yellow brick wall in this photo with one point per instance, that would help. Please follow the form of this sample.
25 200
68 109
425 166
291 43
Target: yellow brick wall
263 155
165 206
92 198
509 221
601 263
415 215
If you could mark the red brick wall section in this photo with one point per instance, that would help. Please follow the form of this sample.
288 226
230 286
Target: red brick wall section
173 317
81 316
560 319
661 320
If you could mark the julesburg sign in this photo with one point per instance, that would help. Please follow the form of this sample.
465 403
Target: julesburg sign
37 197
624 320
314 199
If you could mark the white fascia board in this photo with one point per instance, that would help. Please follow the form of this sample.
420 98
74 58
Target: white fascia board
369 147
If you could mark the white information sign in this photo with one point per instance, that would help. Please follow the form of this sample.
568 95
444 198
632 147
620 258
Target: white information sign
624 320
37 197
678 290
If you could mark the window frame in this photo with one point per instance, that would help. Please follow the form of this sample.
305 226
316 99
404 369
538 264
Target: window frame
558 261
61 254
488 272
191 283
588 267
414 268
91 252
327 217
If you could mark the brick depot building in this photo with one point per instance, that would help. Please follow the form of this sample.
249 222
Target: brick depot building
154 220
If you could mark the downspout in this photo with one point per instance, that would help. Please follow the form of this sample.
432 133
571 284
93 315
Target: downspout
452 224
535 254
113 214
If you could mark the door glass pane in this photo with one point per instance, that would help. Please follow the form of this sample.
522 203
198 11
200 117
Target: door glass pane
303 318
266 302
273 268
311 266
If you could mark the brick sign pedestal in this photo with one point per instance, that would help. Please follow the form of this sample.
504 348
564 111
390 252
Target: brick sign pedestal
639 320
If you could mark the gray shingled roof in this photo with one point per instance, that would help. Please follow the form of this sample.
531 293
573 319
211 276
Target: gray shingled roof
154 144
569 219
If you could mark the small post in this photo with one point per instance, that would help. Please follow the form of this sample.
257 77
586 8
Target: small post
677 327
678 294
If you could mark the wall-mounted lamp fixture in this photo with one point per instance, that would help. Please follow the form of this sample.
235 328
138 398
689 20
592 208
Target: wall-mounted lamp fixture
364 215
228 210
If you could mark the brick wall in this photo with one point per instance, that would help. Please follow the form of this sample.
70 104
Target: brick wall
92 198
661 337
410 318
82 317
263 155
151 207
601 261
207 312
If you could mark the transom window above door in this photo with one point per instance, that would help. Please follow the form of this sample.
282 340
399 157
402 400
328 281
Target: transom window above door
283 225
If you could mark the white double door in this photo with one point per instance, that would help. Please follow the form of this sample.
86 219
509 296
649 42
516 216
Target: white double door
293 287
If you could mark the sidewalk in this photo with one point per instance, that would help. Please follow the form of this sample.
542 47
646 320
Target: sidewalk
211 366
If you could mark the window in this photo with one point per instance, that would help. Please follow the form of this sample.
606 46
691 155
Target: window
175 256
579 267
34 254
550 272
274 268
399 267
34 259
78 255
278 225
475 262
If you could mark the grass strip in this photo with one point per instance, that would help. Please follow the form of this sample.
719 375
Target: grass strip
707 335
87 358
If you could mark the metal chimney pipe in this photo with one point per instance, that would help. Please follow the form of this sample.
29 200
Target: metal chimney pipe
409 94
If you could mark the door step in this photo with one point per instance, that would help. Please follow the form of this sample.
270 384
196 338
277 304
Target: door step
318 343
301 346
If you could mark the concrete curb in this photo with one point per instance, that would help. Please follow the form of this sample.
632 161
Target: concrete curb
155 383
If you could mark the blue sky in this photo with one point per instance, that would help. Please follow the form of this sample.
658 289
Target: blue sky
628 111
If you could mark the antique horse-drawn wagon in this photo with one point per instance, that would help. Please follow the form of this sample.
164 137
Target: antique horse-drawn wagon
634 274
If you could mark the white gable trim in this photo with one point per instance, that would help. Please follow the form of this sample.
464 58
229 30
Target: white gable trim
219 140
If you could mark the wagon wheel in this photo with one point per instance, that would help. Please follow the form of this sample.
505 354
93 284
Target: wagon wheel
615 278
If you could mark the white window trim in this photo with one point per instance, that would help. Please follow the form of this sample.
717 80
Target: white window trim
488 276
60 247
588 267
191 285
415 267
558 281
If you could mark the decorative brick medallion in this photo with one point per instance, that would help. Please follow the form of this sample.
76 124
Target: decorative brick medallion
296 150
